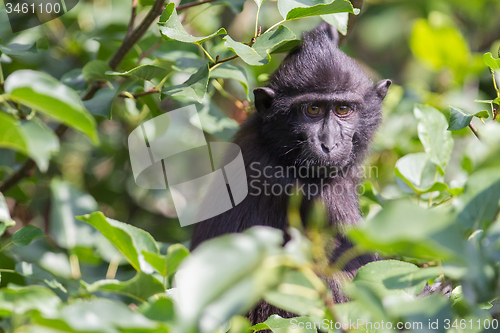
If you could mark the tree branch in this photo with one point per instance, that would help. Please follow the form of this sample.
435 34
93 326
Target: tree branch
132 18
192 4
25 170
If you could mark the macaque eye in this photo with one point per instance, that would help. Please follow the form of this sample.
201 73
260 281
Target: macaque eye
313 110
343 110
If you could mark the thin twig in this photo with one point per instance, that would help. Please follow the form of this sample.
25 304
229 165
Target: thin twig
217 61
474 130
150 51
192 4
143 93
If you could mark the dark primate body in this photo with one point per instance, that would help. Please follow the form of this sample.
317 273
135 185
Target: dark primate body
320 109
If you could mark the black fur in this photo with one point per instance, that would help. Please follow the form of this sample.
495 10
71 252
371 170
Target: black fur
281 134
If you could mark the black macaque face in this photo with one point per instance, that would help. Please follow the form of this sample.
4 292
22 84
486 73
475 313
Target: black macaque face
320 108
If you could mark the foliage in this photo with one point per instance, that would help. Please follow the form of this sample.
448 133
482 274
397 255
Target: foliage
73 89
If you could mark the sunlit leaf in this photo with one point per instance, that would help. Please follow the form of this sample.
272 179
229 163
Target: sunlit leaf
159 309
391 277
42 92
433 133
171 27
129 240
440 47
26 235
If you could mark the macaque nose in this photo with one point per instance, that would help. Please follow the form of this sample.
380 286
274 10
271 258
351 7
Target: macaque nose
327 149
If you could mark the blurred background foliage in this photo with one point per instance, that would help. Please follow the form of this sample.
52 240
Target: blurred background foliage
432 50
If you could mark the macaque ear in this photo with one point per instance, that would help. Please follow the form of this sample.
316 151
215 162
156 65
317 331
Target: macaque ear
382 87
263 99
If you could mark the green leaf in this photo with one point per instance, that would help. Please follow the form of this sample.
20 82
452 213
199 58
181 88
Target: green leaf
26 235
392 278
431 309
31 138
230 71
433 133
459 118
479 202
95 70
216 122
102 102
284 325
20 49
5 220
19 300
259 53
296 294
66 203
482 114
34 274
405 229
158 309
171 27
206 293
491 62
292 10
140 287
259 2
175 256
97 315
418 172
195 87
129 240
74 79
42 92
143 72
167 265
